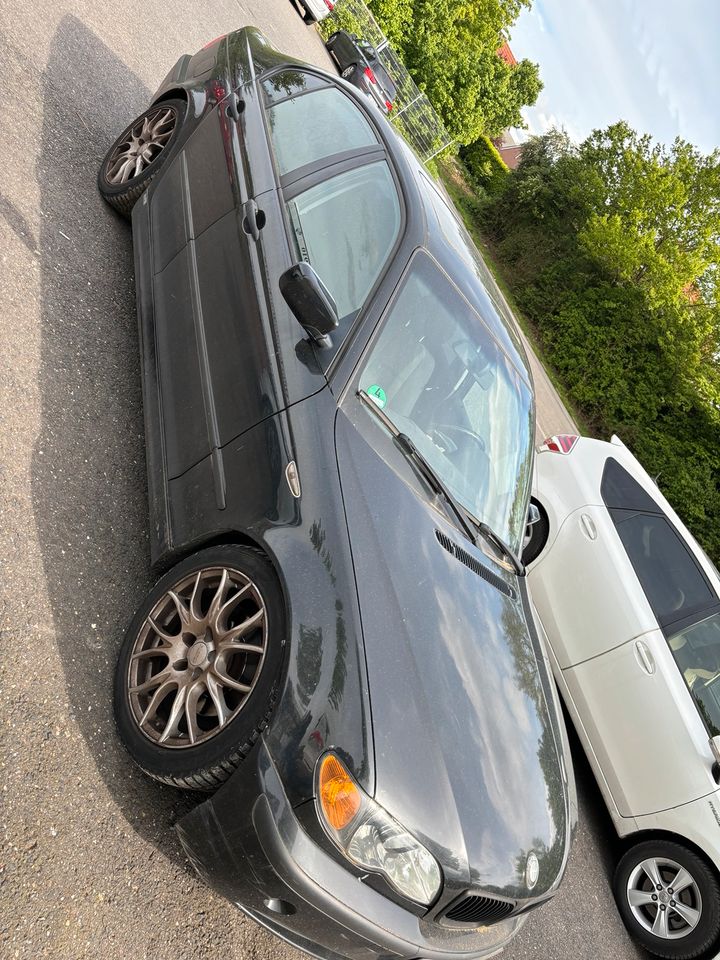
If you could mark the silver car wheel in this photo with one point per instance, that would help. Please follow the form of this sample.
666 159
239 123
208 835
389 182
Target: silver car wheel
197 657
664 898
144 142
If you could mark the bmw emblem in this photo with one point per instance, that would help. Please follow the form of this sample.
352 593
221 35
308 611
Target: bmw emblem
532 871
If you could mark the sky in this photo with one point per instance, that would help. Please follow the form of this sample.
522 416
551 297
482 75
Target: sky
653 63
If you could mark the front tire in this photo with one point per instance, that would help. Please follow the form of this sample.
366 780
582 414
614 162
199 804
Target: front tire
200 667
536 539
669 899
139 152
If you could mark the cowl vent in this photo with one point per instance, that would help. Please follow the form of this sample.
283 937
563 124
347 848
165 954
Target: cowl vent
478 568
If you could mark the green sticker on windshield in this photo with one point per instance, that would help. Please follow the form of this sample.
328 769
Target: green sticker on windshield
377 394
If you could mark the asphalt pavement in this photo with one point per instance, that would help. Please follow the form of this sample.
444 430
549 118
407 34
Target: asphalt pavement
89 863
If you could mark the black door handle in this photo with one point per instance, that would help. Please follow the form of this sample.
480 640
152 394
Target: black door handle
253 219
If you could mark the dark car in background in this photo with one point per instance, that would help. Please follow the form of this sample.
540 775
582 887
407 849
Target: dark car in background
339 435
359 63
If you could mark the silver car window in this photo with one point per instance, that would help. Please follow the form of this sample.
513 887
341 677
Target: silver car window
316 125
696 650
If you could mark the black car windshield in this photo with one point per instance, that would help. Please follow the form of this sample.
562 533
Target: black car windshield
441 378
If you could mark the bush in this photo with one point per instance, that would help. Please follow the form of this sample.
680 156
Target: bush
486 166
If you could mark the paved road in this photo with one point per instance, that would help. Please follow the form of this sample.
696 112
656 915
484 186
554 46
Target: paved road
89 865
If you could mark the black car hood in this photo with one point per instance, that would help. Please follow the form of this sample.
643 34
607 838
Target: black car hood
466 748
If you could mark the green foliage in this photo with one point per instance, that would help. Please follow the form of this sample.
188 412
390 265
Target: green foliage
343 17
395 17
486 166
451 53
450 48
611 249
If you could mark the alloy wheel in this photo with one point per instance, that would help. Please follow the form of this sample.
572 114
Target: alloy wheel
197 657
664 898
142 145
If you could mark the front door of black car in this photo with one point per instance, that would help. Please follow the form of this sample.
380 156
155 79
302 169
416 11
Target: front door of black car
341 205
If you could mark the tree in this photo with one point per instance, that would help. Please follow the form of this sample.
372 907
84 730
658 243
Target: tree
450 49
612 249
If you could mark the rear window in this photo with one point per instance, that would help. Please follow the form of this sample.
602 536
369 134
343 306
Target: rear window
673 582
696 650
315 126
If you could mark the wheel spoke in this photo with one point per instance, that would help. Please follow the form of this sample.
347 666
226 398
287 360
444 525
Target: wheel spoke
235 645
660 926
195 611
218 698
244 628
151 683
157 699
228 681
217 601
639 898
182 610
168 638
195 691
228 607
176 712
689 914
151 652
682 880
651 869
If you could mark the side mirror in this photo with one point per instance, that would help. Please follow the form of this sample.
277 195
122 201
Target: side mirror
310 301
715 748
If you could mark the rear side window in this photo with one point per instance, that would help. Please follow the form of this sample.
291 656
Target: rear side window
696 650
317 125
346 228
673 583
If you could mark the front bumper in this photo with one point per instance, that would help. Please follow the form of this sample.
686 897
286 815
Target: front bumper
247 843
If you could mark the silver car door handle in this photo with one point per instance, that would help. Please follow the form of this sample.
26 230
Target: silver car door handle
588 526
645 658
253 219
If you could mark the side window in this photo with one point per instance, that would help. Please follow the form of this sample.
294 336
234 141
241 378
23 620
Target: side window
316 125
346 227
673 583
696 650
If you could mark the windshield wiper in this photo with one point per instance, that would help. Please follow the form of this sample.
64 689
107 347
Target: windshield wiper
489 534
464 518
405 444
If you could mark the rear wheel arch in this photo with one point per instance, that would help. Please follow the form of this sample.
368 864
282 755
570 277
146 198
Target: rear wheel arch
641 836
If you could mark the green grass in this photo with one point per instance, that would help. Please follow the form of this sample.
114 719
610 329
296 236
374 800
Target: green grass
468 198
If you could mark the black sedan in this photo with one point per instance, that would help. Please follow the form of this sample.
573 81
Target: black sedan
359 63
339 445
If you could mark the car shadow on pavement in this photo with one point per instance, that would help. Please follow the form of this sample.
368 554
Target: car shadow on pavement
88 470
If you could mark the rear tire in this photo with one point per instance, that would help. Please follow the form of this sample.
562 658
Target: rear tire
139 152
681 925
200 667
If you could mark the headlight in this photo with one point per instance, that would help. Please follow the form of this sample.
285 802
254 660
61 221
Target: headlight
370 838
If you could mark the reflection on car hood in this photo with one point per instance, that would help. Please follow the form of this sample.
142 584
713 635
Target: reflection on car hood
466 752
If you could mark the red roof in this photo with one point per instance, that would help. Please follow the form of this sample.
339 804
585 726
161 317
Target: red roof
511 155
506 54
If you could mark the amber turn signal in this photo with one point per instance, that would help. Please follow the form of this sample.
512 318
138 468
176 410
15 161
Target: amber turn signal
339 797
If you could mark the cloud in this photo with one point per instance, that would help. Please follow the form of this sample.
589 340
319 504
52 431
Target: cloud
601 63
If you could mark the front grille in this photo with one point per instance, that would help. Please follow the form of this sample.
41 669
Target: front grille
478 910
